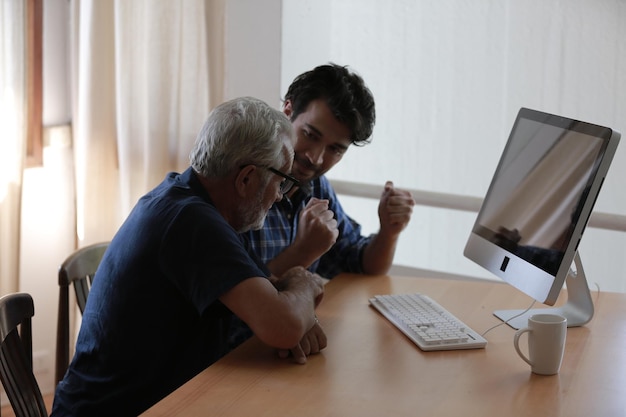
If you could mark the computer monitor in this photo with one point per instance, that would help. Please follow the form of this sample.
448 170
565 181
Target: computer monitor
535 211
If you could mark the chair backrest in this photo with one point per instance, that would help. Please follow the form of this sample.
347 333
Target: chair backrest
79 270
16 355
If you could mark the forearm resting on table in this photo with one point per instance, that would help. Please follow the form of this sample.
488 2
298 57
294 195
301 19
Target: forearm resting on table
300 293
279 316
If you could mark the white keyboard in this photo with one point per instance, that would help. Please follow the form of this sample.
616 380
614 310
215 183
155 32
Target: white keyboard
426 323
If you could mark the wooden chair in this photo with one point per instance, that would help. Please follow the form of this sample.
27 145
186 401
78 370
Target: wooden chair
78 269
16 356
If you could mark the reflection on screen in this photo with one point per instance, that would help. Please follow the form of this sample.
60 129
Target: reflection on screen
535 198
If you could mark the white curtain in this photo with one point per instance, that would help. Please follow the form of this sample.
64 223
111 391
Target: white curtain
13 136
143 73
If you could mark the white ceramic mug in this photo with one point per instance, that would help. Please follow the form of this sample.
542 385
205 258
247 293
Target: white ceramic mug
546 343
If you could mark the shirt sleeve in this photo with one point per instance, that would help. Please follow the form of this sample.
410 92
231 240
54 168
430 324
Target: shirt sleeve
204 257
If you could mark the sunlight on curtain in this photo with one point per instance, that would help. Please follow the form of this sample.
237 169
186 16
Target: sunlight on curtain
93 112
141 93
12 140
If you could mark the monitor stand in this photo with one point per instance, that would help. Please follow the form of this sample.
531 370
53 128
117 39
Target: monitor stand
578 309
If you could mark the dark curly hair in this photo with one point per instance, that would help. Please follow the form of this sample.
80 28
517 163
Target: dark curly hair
345 93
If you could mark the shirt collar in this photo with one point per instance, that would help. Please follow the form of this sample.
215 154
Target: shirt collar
190 178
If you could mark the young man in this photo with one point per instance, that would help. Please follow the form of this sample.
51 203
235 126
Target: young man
176 272
330 108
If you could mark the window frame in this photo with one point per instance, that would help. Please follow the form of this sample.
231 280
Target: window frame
34 83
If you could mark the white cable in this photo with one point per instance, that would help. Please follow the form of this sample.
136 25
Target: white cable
509 319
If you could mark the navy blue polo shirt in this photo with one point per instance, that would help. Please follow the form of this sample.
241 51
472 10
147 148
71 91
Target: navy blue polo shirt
153 319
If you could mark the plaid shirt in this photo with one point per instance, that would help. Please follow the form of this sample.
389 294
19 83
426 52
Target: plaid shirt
281 226
279 231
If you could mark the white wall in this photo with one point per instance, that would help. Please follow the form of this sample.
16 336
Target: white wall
448 78
253 33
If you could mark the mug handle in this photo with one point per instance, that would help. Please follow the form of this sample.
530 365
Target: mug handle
516 344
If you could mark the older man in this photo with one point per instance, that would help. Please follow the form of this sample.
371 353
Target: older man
176 272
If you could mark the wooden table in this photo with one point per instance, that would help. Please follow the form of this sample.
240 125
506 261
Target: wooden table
371 369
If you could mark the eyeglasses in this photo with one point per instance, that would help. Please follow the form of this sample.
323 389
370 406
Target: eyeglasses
287 183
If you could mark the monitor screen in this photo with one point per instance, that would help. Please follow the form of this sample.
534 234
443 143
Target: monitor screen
541 196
